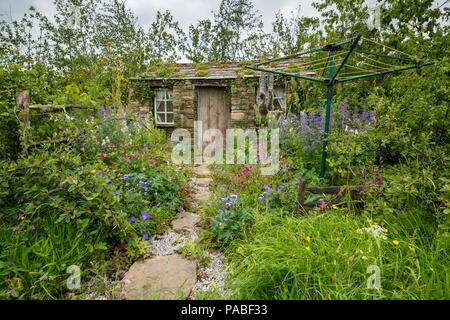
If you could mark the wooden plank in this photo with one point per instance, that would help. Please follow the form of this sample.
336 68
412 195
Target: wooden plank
301 195
335 189
49 107
23 101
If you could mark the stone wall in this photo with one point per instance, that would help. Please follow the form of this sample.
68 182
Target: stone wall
242 98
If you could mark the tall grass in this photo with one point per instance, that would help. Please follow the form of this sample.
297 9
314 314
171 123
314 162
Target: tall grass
326 256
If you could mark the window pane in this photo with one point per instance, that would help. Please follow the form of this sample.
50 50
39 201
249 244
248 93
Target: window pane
276 104
160 94
278 92
159 106
169 106
170 118
169 94
160 117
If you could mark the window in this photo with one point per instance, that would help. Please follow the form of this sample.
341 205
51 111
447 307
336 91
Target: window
279 100
164 106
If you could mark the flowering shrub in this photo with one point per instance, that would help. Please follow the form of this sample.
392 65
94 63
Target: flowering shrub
231 219
72 202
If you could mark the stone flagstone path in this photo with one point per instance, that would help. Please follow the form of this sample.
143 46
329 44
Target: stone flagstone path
169 275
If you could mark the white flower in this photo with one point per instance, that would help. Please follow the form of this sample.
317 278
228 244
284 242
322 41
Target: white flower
376 231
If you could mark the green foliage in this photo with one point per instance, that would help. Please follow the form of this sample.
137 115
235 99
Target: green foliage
71 200
327 256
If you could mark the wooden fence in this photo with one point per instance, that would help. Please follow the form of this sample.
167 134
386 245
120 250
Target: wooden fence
339 191
23 102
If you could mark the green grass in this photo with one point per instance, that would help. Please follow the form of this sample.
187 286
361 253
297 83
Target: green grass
35 262
272 261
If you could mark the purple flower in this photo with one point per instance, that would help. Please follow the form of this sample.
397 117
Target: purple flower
145 215
223 199
300 176
260 199
101 174
145 236
32 228
130 191
125 177
16 228
228 205
280 188
233 196
117 192
284 169
266 186
109 182
141 183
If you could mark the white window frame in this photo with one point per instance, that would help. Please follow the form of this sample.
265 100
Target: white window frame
166 98
281 99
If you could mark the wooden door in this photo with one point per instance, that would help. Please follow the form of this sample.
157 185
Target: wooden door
214 110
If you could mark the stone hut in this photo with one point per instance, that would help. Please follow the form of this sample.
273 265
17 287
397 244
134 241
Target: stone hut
221 95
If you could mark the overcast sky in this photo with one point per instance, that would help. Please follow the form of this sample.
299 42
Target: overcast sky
186 12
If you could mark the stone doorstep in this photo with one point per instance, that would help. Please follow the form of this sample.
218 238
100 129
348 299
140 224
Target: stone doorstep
185 221
202 170
203 182
160 277
202 195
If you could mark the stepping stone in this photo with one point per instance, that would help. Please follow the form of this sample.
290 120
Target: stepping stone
203 182
201 195
202 170
161 277
186 221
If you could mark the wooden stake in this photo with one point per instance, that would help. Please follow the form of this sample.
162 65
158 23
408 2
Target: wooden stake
301 195
23 101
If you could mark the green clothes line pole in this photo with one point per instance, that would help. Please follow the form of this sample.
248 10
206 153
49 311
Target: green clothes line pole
332 76
327 116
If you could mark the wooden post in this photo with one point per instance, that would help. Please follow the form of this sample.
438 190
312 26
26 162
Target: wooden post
23 101
301 195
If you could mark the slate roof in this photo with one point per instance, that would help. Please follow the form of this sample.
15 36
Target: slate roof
221 70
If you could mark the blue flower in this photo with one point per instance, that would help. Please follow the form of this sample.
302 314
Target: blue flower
233 196
125 177
130 191
266 186
145 215
101 174
117 192
228 205
223 199
145 236
141 183
109 182
260 199
280 188
300 176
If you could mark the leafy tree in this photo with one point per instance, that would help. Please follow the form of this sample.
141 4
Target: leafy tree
164 39
236 33
293 34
